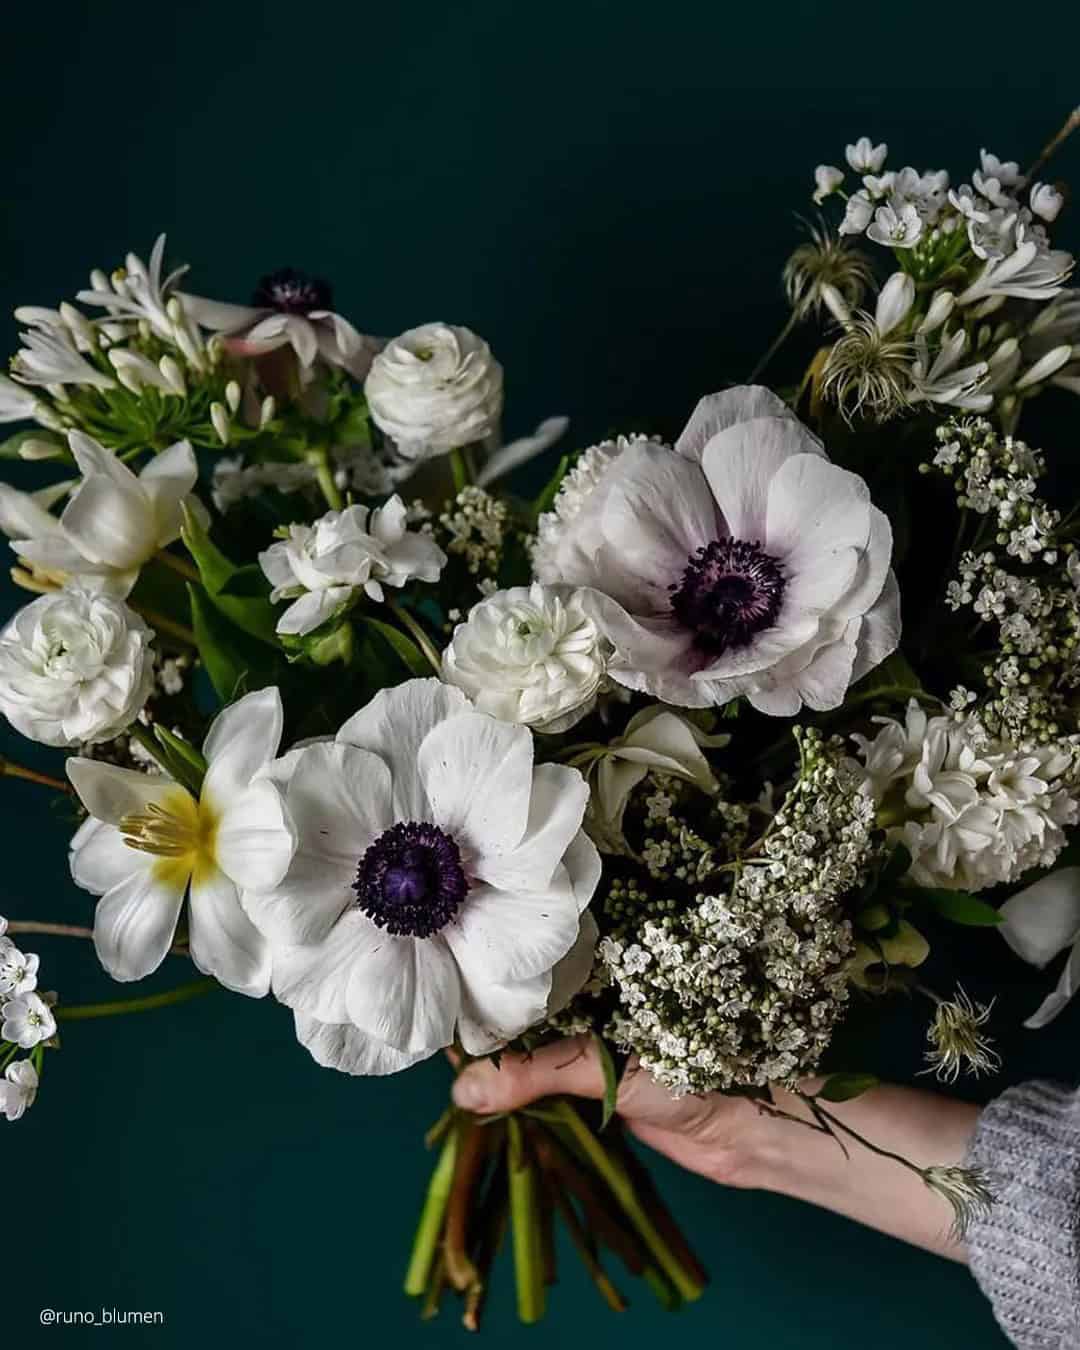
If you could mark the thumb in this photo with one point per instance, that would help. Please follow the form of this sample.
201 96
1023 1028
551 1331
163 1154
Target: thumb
571 1066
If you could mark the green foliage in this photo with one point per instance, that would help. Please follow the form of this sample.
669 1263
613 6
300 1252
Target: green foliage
402 645
843 1087
184 762
241 594
611 1079
12 447
959 907
545 498
235 662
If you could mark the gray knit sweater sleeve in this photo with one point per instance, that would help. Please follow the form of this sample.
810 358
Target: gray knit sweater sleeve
1026 1254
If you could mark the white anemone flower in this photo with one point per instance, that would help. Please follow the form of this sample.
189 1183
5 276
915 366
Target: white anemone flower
115 520
18 1089
75 667
321 567
741 563
531 655
149 842
288 309
438 888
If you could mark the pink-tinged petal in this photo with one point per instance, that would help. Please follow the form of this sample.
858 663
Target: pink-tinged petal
224 942
556 809
815 507
315 979
501 936
740 463
217 315
99 857
873 567
477 776
824 683
393 726
827 580
349 1050
716 412
879 633
407 993
768 647
254 841
135 921
167 480
302 337
781 702
242 739
652 654
492 1014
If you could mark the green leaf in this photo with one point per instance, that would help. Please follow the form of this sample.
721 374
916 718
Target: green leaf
250 611
894 680
611 1079
190 766
959 907
247 583
230 656
842 1087
403 645
12 447
546 497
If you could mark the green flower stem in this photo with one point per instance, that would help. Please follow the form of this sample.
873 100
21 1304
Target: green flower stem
176 564
184 635
774 346
623 1189
146 738
472 1152
429 1229
320 461
10 770
83 1011
459 468
585 1249
525 1224
72 930
417 634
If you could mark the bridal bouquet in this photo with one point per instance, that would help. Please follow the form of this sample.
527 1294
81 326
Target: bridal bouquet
648 757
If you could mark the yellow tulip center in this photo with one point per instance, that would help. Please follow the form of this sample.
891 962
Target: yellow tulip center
177 829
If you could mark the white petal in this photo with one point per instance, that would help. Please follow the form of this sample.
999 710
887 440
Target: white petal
477 776
873 567
1044 918
223 940
406 992
583 867
815 507
109 792
218 315
315 979
740 464
879 633
502 936
254 841
110 523
135 922
306 614
242 739
716 412
21 514
302 337
574 969
556 809
492 1014
345 1048
1054 1002
824 682
167 480
99 857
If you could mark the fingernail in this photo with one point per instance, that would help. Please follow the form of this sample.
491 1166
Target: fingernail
468 1093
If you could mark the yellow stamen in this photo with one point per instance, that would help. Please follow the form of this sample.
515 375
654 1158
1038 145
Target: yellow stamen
176 828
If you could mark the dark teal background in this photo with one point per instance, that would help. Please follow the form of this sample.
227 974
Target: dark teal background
606 191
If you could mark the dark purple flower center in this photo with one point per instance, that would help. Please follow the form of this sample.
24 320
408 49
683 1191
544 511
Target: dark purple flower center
729 591
410 881
292 292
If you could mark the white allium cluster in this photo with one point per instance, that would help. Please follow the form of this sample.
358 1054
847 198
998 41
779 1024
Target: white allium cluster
972 811
25 1022
746 987
574 490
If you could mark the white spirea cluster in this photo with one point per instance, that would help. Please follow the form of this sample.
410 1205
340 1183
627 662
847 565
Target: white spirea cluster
529 655
746 988
971 814
75 668
433 389
25 1021
474 527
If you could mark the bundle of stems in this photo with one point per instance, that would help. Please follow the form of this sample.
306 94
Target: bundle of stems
516 1175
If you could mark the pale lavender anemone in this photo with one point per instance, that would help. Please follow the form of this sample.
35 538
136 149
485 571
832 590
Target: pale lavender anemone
742 562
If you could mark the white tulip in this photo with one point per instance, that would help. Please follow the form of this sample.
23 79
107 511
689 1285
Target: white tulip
75 667
434 389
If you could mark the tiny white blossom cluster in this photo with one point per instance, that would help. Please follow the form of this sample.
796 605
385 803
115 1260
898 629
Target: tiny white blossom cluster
972 811
964 253
746 986
26 1021
476 527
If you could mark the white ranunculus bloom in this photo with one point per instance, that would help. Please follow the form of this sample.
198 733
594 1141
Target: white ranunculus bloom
438 886
114 522
18 1089
741 563
530 655
148 842
435 389
321 567
75 668
26 1020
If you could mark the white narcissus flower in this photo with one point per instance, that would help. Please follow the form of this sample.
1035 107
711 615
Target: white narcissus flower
827 178
741 563
438 888
530 655
866 157
27 1020
321 567
75 668
114 522
1039 922
288 309
434 389
18 1089
149 841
